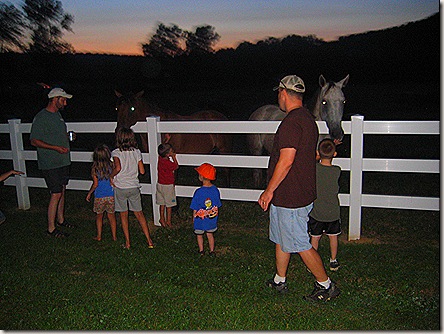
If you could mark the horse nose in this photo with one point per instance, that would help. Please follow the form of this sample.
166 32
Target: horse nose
337 133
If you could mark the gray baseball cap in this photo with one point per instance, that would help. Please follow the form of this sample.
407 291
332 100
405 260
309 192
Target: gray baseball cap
292 82
55 92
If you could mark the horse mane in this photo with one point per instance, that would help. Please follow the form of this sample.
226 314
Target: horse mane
314 102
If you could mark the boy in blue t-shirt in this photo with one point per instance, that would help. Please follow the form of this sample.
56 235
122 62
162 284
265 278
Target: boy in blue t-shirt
205 204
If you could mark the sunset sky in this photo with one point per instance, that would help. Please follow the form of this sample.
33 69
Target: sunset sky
120 26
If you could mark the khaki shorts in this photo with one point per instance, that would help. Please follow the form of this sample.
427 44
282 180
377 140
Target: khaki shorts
127 198
166 195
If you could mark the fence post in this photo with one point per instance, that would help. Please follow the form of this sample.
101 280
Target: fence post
356 158
154 140
21 186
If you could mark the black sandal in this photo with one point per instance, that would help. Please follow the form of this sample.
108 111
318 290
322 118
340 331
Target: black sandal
57 234
65 224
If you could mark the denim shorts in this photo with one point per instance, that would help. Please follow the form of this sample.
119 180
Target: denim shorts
200 232
288 228
127 198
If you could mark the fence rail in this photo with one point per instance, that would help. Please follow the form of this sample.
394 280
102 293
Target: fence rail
356 164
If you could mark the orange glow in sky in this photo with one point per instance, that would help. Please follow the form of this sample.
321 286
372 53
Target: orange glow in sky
120 26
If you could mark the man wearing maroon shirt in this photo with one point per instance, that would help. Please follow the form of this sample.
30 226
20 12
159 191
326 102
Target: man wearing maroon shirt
291 190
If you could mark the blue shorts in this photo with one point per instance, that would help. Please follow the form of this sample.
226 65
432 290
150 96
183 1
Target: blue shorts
288 228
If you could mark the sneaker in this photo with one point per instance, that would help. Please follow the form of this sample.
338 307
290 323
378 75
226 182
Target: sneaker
322 294
281 287
334 265
201 253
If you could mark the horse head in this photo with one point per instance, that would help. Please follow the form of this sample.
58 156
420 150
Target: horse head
330 106
128 109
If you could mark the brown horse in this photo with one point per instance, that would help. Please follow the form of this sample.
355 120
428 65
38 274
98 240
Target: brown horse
132 108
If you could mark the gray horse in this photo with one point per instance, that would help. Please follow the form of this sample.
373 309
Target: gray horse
327 105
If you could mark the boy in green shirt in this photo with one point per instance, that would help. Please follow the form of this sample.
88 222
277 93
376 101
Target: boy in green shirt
325 216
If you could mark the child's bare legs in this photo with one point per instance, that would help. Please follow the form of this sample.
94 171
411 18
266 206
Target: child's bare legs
333 246
113 224
124 221
200 242
142 221
169 211
315 241
99 224
162 215
210 237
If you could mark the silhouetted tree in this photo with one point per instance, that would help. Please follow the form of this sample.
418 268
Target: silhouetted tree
47 22
11 28
168 41
202 40
171 41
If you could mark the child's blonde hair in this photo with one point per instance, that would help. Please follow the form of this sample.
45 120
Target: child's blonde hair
102 165
125 139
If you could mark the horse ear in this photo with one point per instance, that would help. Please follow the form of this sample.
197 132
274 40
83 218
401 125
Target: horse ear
45 86
117 93
322 81
344 81
139 94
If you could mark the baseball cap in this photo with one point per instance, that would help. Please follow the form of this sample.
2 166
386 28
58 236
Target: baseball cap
292 82
207 171
55 92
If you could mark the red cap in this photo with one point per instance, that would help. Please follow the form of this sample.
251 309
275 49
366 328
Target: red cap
207 171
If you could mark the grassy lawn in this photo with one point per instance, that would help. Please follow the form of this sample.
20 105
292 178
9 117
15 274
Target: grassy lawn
389 279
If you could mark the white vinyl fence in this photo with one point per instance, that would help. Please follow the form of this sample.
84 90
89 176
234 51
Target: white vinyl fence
356 164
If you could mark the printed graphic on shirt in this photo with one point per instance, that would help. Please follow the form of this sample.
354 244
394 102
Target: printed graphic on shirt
210 211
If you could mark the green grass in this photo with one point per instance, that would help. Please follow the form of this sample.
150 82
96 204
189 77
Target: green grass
389 279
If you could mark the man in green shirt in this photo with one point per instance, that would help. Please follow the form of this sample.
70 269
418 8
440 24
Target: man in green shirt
49 136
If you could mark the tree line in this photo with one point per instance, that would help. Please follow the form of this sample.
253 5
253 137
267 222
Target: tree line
39 25
32 45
